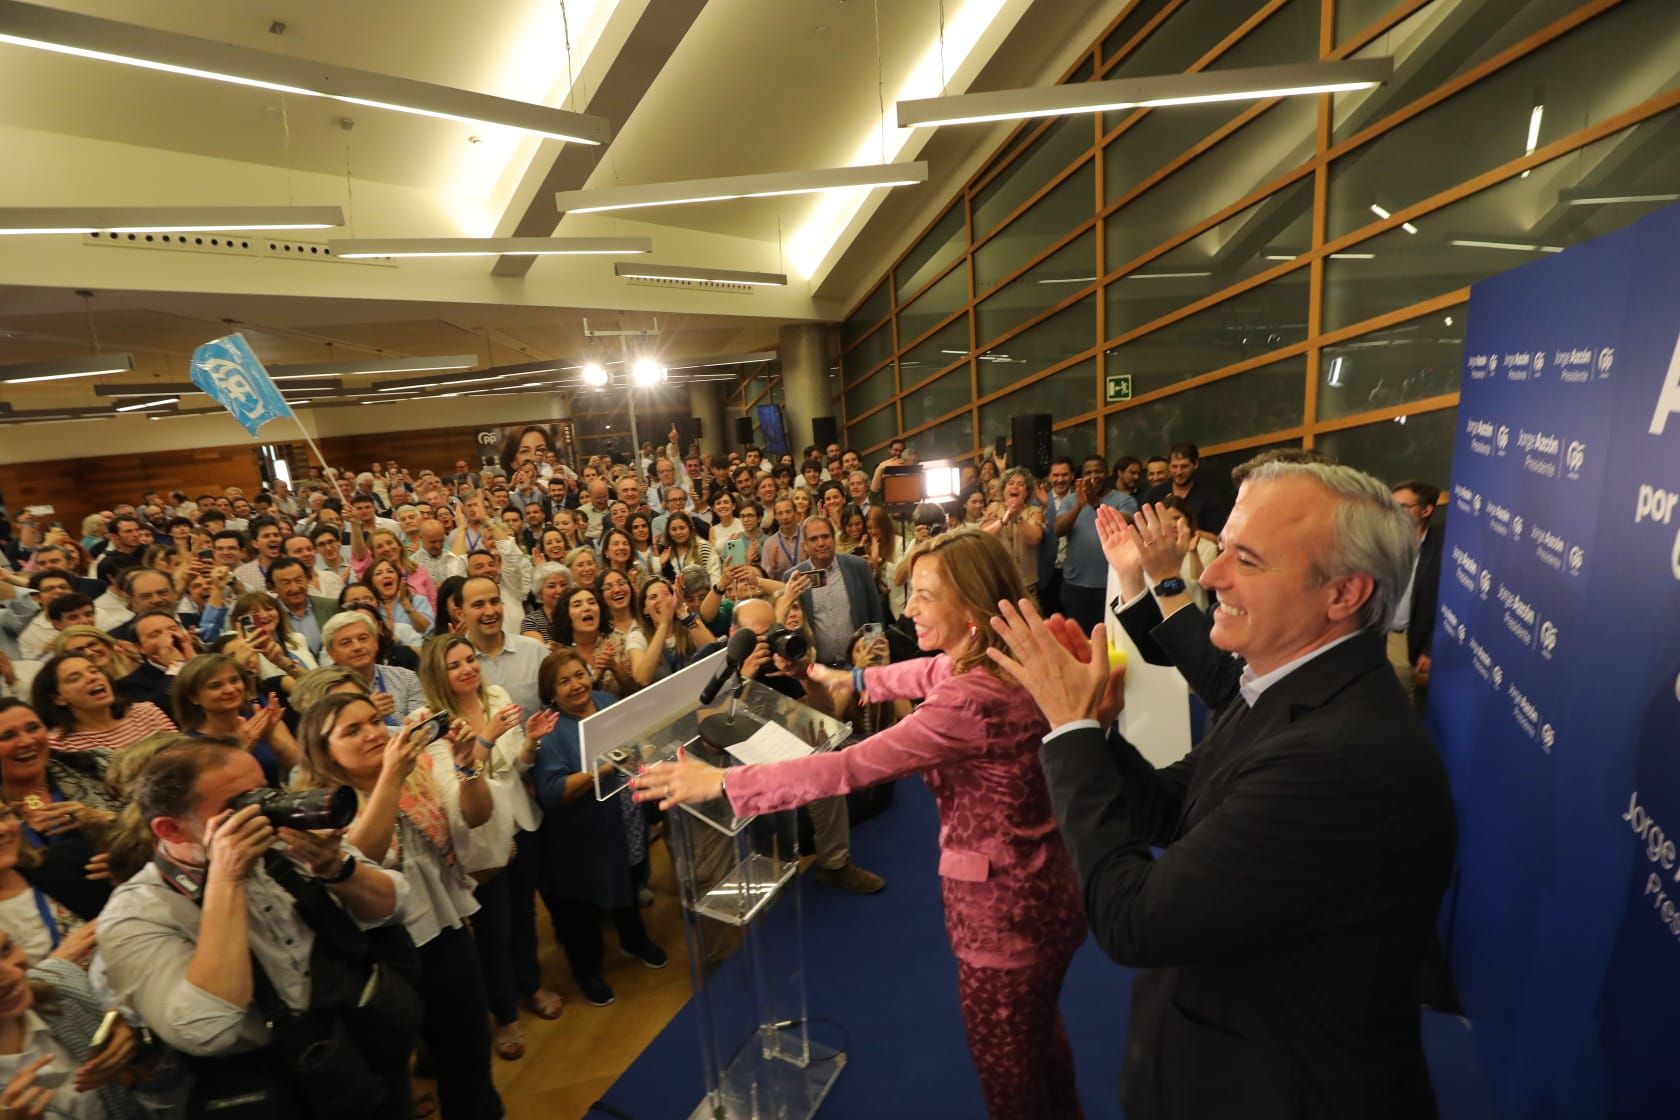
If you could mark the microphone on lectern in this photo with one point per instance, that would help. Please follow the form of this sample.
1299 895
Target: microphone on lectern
741 645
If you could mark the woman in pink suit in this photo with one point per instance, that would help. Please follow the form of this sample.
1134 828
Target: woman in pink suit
1012 906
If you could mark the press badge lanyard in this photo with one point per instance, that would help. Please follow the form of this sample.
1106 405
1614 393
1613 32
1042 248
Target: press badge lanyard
379 683
47 918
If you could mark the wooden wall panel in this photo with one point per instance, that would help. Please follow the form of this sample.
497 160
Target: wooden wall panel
79 486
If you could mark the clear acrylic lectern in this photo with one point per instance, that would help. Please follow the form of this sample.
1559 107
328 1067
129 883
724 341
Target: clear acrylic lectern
740 891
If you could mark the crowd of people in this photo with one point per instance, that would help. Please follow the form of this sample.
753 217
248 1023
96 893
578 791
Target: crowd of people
286 773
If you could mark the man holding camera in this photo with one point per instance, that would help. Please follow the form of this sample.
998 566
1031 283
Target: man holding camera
840 596
256 965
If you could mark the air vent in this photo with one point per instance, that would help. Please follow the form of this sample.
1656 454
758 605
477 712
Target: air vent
243 244
237 244
694 285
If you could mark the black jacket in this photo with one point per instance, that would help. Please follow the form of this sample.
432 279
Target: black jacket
1426 591
1307 844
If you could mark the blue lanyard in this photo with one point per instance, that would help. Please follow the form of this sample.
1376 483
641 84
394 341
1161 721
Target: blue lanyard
47 919
379 684
472 545
798 544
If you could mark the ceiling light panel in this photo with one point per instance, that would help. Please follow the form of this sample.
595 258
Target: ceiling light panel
365 248
640 271
165 219
741 186
62 369
30 25
376 365
1241 84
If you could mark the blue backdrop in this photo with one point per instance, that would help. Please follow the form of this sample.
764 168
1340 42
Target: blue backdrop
1556 687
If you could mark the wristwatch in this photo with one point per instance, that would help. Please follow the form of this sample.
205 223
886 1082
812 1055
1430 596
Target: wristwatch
343 874
1172 585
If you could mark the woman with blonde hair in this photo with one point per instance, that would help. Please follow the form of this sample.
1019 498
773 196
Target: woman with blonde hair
412 818
383 544
98 647
666 634
505 927
1012 905
584 566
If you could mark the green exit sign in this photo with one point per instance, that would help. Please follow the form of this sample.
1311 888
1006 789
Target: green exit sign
1119 387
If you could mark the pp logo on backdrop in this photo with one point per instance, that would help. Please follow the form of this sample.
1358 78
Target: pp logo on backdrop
1485 582
1539 361
1517 526
1547 736
1576 559
1575 457
1503 438
1548 637
1606 359
1498 677
1476 502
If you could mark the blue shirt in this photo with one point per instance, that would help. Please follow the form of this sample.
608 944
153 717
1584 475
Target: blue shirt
1085 565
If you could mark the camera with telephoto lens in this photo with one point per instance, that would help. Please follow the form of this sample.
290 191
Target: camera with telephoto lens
302 809
790 644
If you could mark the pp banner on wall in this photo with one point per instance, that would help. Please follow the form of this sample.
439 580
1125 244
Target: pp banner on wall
1555 694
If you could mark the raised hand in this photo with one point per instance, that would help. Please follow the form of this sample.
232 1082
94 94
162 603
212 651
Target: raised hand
540 725
1120 548
1163 541
1065 688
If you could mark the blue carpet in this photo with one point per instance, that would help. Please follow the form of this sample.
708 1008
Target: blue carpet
881 968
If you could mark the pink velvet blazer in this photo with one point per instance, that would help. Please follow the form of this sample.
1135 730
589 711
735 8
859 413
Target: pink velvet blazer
1007 882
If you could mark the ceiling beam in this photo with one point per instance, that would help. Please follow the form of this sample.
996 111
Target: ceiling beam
649 45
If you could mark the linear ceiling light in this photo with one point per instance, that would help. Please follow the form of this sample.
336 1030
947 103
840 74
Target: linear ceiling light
30 25
732 360
147 404
1243 84
741 186
164 219
639 271
1513 246
363 248
60 369
432 382
378 365
1586 196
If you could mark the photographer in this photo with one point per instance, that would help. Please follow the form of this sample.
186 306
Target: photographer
257 966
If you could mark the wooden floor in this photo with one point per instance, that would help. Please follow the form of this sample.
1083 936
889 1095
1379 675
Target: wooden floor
570 1061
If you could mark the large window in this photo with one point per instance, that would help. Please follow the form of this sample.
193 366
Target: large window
1284 273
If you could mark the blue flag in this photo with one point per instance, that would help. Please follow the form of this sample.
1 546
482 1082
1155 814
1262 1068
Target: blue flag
226 369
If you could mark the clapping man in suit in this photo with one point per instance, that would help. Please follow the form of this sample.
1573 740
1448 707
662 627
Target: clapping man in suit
1307 839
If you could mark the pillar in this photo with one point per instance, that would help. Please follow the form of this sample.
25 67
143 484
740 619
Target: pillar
705 405
804 350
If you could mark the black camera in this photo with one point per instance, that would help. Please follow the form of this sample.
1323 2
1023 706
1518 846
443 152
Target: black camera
790 644
302 809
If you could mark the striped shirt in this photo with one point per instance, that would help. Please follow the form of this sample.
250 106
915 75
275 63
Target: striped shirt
142 719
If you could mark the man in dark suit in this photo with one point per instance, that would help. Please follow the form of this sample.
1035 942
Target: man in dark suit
1414 617
1308 837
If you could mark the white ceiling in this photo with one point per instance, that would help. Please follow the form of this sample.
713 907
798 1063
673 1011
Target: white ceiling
749 86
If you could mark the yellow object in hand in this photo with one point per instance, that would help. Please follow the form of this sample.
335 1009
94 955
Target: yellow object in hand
1116 657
